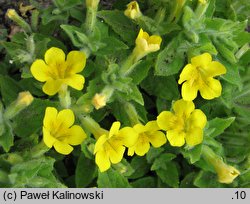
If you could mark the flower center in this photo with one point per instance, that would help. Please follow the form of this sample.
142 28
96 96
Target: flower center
59 71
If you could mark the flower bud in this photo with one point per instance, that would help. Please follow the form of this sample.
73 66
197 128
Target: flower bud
133 10
24 98
99 101
13 15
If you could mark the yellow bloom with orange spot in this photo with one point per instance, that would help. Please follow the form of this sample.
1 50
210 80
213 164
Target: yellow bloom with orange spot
198 76
185 124
146 44
110 147
133 10
55 71
147 134
59 131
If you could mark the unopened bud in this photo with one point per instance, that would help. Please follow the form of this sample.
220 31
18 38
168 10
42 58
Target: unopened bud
99 101
92 4
25 98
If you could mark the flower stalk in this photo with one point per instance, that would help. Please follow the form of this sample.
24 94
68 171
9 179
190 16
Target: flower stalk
226 173
92 7
64 97
90 125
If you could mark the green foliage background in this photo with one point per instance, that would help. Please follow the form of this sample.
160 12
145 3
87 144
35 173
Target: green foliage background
221 31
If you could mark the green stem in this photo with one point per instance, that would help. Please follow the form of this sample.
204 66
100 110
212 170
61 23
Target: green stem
92 126
131 113
176 12
242 51
90 19
64 97
34 19
128 64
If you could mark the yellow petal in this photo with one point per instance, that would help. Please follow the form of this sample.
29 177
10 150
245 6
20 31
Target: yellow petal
49 118
66 117
47 138
183 108
54 56
76 135
102 161
157 138
62 148
201 60
197 119
139 128
189 72
99 145
194 136
142 145
40 70
166 120
128 136
176 138
116 152
155 39
76 81
76 61
215 69
189 91
152 126
131 151
210 89
114 128
140 34
51 87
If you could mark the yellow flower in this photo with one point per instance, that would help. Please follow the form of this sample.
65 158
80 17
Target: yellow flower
56 72
147 134
59 131
133 10
146 44
198 76
24 98
110 147
185 124
226 174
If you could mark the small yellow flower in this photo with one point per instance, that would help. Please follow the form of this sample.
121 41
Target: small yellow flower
110 147
146 44
226 173
99 101
59 131
185 124
11 13
55 71
24 98
133 10
198 76
147 134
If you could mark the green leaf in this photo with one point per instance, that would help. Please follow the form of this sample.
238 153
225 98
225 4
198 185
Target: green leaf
71 32
162 161
86 171
171 59
33 116
7 138
124 168
153 153
9 89
122 25
169 175
193 154
207 180
112 179
217 126
164 87
140 166
112 45
187 182
140 71
145 182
